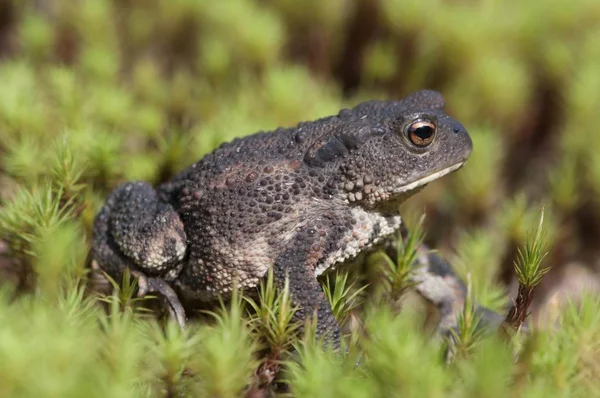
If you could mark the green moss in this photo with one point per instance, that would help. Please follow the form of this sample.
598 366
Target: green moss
98 92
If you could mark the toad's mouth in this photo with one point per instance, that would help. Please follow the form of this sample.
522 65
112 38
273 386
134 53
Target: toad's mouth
431 177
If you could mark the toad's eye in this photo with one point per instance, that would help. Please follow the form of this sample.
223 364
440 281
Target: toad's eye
421 133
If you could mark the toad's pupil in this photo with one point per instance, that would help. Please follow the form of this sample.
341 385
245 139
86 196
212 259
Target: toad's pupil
423 132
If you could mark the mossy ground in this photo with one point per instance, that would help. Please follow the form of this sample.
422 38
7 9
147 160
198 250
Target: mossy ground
97 92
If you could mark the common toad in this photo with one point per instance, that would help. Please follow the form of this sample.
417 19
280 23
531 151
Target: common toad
300 200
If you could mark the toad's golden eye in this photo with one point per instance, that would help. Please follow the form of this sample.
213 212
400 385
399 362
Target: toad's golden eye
421 133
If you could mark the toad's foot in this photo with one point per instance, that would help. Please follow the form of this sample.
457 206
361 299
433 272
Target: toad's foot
148 285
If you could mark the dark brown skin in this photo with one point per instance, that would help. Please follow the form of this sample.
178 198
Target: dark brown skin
298 200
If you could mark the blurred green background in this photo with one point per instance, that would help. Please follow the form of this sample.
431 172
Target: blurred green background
93 93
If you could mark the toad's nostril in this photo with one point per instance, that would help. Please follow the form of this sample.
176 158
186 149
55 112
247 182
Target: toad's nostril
456 130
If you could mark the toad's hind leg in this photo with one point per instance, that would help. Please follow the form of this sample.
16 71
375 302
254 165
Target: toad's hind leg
135 230
146 230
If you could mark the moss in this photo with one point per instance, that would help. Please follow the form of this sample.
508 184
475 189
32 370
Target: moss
98 92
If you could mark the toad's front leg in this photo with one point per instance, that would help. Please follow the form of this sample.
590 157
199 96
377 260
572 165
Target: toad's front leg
297 263
136 230
438 283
